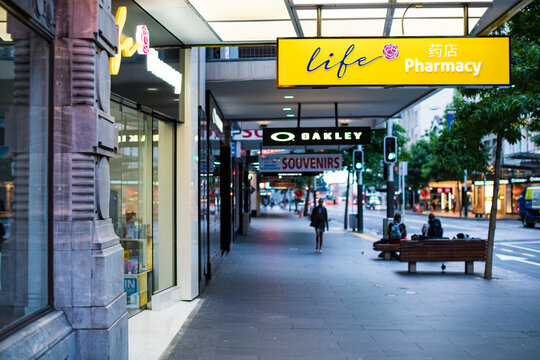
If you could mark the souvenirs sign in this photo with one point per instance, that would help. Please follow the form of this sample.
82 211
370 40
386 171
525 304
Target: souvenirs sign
393 61
317 136
300 163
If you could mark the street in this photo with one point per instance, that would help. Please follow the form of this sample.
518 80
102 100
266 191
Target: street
516 249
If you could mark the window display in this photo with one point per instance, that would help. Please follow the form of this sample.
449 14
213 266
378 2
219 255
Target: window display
142 201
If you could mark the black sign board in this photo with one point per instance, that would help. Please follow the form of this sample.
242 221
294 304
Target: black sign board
317 136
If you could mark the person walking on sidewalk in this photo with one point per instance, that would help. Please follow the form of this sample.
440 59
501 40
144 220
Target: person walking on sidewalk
319 219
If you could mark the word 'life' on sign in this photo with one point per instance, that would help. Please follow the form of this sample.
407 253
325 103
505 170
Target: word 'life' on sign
317 136
126 47
396 61
300 163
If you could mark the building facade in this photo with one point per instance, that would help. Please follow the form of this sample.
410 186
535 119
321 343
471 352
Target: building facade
111 202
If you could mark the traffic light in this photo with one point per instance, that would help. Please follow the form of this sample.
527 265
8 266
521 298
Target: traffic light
358 160
390 149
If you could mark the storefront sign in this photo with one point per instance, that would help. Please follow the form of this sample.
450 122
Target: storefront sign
300 163
163 70
143 37
126 47
249 135
395 61
236 149
131 285
282 185
217 120
530 179
317 136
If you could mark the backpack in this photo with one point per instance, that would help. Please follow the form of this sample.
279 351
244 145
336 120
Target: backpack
435 230
395 231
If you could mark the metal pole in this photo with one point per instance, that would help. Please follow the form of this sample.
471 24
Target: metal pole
319 21
390 181
403 194
465 20
299 113
336 113
360 191
485 210
465 199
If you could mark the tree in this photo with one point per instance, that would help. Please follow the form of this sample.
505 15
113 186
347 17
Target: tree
420 156
503 111
373 155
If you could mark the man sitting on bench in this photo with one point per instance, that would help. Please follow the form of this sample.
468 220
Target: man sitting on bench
433 229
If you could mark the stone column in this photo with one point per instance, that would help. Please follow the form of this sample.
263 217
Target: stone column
88 258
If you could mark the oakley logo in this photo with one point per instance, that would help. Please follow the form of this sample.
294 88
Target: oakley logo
282 136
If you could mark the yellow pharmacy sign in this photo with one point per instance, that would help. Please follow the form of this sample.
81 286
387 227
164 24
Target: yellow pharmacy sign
393 61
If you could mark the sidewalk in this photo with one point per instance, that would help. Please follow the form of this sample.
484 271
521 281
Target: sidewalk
275 298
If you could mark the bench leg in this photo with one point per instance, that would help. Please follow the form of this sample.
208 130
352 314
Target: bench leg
387 255
412 267
469 267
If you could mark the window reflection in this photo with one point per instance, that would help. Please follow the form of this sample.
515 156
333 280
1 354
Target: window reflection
23 171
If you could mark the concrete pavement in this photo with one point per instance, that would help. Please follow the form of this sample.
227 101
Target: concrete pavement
275 298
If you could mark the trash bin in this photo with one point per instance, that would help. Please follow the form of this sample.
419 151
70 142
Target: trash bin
385 223
353 221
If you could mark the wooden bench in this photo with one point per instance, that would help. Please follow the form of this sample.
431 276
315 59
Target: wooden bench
443 251
387 249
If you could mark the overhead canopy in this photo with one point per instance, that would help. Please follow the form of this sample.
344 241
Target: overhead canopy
221 22
255 102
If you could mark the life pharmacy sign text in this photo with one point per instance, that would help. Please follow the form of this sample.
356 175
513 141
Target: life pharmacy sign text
316 136
393 61
300 163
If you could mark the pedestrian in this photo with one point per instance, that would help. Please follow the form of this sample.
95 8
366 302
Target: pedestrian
434 228
319 219
396 230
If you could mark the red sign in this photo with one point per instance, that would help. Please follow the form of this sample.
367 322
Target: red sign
249 135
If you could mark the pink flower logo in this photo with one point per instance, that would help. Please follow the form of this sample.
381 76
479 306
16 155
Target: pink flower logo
390 51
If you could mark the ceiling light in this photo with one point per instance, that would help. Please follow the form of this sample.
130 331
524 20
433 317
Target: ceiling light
288 97
287 109
152 89
290 115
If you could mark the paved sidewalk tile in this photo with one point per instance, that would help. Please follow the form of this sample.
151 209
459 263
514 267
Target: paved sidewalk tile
275 298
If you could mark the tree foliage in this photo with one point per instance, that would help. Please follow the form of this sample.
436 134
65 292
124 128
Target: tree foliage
503 111
373 155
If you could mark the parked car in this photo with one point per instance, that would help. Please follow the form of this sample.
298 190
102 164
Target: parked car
529 206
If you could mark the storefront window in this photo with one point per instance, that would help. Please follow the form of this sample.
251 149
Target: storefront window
163 204
24 65
131 196
214 195
142 201
203 197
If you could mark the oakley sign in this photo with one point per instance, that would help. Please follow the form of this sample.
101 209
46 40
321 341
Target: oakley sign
317 136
